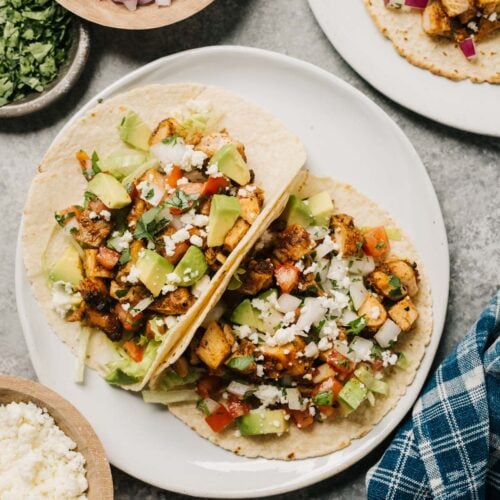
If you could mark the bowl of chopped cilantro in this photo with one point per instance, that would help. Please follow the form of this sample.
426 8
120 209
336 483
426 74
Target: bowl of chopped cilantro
43 50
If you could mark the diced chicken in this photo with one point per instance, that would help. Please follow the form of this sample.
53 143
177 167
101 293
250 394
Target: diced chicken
107 258
435 21
456 7
211 258
108 322
93 269
92 232
486 27
132 295
287 276
78 313
95 293
467 16
245 348
404 314
293 244
135 248
180 248
283 360
204 206
406 273
211 143
235 234
250 207
166 128
174 303
138 209
215 346
258 276
387 284
374 312
347 236
181 367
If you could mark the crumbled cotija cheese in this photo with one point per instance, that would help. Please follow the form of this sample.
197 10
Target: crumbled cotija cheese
37 460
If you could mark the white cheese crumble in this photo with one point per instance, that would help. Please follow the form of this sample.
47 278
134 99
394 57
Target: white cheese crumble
269 395
64 298
122 242
201 286
196 240
105 214
311 350
133 276
93 215
150 193
194 219
389 358
38 461
213 169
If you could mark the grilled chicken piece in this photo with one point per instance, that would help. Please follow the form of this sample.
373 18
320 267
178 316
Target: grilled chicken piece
108 322
385 283
137 211
93 269
211 258
245 348
211 143
347 236
456 7
435 21
180 248
486 27
404 314
283 360
308 284
166 128
174 303
107 258
250 207
92 232
407 274
132 295
215 345
235 234
374 312
135 247
78 313
258 276
204 206
293 244
95 293
467 16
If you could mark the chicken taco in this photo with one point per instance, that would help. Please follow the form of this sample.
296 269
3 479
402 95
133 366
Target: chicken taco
321 330
138 212
458 39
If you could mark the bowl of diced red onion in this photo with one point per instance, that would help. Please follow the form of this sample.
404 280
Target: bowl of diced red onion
135 14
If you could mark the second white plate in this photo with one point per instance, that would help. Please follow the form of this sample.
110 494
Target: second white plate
463 105
347 136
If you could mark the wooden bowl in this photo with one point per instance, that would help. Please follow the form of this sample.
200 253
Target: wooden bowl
109 13
72 423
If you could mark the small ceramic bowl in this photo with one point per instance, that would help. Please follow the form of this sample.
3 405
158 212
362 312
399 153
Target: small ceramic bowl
69 73
72 423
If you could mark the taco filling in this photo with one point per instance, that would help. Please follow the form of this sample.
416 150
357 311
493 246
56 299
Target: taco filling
307 330
156 223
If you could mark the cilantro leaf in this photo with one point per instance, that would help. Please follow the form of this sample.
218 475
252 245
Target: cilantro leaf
95 159
172 140
356 326
181 200
150 224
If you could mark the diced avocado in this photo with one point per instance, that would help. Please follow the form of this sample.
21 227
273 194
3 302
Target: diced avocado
321 207
134 131
402 362
245 314
380 387
364 374
120 165
191 267
265 295
125 371
224 210
353 393
231 164
109 191
297 212
259 422
68 268
153 270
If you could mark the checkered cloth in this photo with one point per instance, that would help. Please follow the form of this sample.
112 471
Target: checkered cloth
450 447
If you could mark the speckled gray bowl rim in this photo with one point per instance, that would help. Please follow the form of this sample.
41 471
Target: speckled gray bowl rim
70 71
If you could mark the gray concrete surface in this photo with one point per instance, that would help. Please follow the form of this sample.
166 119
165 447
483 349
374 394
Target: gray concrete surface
464 168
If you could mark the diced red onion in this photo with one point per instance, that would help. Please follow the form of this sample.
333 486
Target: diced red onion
468 47
416 4
132 4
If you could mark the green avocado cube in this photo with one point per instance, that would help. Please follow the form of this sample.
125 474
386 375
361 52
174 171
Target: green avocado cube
321 207
231 164
68 268
120 165
353 393
297 212
153 270
192 267
134 131
109 191
259 422
224 211
246 314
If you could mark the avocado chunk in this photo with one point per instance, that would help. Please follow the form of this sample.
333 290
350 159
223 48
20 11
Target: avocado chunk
224 211
109 191
259 422
365 375
353 393
321 207
119 165
68 268
231 164
245 314
134 131
153 270
191 267
297 212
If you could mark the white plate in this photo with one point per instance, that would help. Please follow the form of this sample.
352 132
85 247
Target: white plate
347 136
464 105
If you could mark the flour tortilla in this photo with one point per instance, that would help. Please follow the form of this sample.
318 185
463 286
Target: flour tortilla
273 152
438 55
334 434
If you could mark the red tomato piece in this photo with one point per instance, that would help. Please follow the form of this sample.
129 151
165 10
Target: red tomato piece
213 185
237 407
130 322
340 363
69 214
287 276
135 351
209 386
107 258
174 175
327 411
301 418
376 242
219 419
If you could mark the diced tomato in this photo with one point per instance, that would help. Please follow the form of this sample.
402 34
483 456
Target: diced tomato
287 276
219 419
68 214
340 363
107 258
209 386
237 407
192 187
135 351
301 418
83 158
130 322
174 175
376 242
327 411
213 185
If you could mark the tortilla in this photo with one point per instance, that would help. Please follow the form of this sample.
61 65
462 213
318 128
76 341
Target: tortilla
273 152
438 55
334 434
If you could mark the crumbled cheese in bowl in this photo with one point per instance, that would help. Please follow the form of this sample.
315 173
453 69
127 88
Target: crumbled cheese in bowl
37 459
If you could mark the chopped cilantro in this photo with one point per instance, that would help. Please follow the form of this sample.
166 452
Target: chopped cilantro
172 140
396 285
356 326
359 245
149 224
124 258
95 159
380 245
150 194
324 398
88 196
61 219
181 200
121 293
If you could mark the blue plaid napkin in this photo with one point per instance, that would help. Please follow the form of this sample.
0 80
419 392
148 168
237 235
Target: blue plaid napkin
450 447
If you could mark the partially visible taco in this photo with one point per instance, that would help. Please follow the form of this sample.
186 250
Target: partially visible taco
321 330
138 212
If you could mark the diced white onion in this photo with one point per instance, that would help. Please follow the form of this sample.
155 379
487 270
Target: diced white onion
211 405
387 333
338 270
312 312
347 317
288 303
362 348
358 293
344 350
293 396
238 389
362 266
323 372
169 153
141 305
